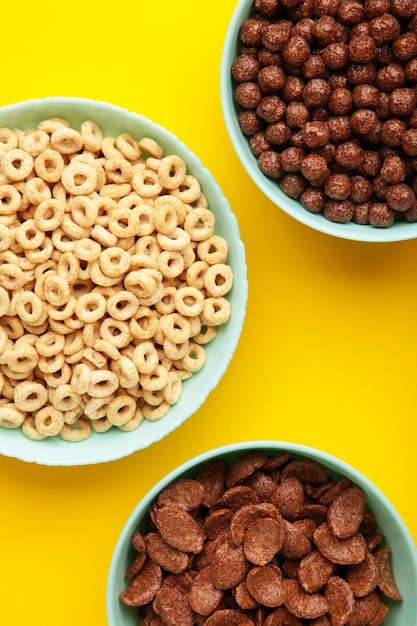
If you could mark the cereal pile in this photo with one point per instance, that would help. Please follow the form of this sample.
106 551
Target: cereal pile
112 280
264 540
327 93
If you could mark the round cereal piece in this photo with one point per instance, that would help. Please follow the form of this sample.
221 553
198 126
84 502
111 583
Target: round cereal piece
16 164
186 493
173 388
363 577
10 200
49 165
172 171
91 136
229 565
37 190
64 398
168 558
96 408
79 431
179 529
28 235
302 604
90 307
142 588
30 396
156 380
121 409
145 357
346 512
102 383
203 596
262 540
340 599
381 215
79 179
66 140
189 301
348 551
314 571
49 421
11 417
8 139
29 429
265 584
386 580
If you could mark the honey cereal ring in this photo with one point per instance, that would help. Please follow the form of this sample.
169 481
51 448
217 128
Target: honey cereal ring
73 230
145 181
12 277
37 190
121 410
189 190
10 200
86 249
102 236
145 219
62 242
195 274
189 301
126 372
79 179
144 325
73 343
148 246
84 210
90 307
23 359
91 135
96 408
218 280
49 214
59 327
49 165
118 169
177 204
34 142
170 263
51 364
173 388
115 191
64 398
41 254
80 430
66 140
122 305
132 424
29 236
57 291
143 283
213 250
49 421
199 224
68 267
16 164
115 332
29 429
150 146
114 262
216 311
123 223
102 383
97 359
128 146
195 358
62 376
166 304
30 396
29 307
62 312
177 240
107 349
145 357
172 171
175 351
8 139
165 218
10 417
156 380
176 327
70 417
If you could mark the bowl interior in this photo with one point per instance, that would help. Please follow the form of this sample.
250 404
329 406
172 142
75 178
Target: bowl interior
398 231
398 538
115 444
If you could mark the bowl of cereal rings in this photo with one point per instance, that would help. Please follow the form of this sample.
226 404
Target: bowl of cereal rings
263 532
122 282
319 101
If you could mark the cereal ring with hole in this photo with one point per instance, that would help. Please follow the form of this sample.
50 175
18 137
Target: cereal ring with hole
114 262
79 179
84 211
144 325
49 421
34 142
148 246
173 388
218 280
145 181
143 283
122 305
165 218
86 249
166 304
13 326
64 398
58 378
176 327
156 380
61 241
96 408
216 311
91 135
195 274
10 417
57 291
49 165
115 332
199 224
10 200
170 263
132 424
102 383
121 410
30 308
37 190
107 349
123 223
51 364
8 139
118 170
195 358
177 240
128 146
62 312
151 147
29 236
189 190
213 250
145 357
4 303
175 351
49 214
80 430
172 171
126 372
99 278
145 219
90 307
16 164
30 396
66 140
41 254
102 236
29 429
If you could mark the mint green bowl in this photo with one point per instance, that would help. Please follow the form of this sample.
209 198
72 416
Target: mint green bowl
115 444
398 538
397 232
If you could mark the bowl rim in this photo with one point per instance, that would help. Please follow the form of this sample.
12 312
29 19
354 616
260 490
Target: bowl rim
399 231
333 463
61 453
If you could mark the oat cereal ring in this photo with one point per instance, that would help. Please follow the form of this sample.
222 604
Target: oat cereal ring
99 278
115 191
8 139
52 123
145 181
154 413
126 372
23 359
195 359
102 236
177 240
73 342
207 334
29 429
115 332
173 389
78 431
170 263
102 383
29 236
51 364
6 237
172 171
10 200
201 202
34 142
30 396
62 376
62 242
218 280
50 343
114 262
72 230
37 190
195 274
49 165
189 301
216 311
176 327
175 351
165 218
118 170
123 223
30 308
66 140
10 417
132 424
62 312
213 250
155 380
16 164
65 398
143 282
188 191
122 305
57 291
84 210
91 135
68 267
154 398
166 304
41 254
148 246
128 146
145 357
96 408
11 277
49 214
144 215
144 325
199 224
121 410
49 421
79 178
151 147
90 307
179 206
70 417
107 349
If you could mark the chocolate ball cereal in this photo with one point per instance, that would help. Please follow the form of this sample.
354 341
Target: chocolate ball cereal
331 87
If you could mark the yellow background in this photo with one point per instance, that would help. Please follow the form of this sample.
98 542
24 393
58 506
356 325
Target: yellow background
328 352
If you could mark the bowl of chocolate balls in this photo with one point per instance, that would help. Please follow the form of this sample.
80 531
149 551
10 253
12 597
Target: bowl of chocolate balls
319 99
